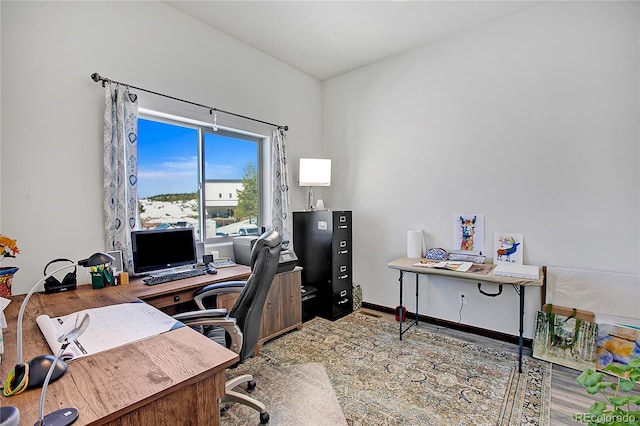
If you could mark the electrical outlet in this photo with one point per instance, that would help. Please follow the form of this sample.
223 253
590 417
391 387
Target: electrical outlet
463 299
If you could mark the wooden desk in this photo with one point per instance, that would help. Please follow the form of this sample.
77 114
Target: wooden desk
167 296
406 265
174 378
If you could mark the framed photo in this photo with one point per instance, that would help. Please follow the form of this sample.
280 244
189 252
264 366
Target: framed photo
508 247
468 233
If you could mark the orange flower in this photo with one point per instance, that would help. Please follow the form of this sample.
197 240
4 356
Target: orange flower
8 247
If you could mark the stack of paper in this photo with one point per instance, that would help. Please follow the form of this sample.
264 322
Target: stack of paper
518 271
452 266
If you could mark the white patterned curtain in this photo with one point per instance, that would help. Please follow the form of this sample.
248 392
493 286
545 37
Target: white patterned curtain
280 213
120 169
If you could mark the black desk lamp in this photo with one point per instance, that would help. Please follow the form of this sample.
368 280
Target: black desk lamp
33 373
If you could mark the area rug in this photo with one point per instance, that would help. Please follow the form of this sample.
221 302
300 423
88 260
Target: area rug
423 379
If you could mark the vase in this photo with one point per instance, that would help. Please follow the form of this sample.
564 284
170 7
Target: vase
6 280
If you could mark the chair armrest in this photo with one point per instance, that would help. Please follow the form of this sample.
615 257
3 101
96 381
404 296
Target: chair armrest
215 289
214 318
206 314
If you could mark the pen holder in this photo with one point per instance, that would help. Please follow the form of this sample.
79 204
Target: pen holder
97 279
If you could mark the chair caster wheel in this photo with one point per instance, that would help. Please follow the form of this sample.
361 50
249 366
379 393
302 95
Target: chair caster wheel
264 418
251 386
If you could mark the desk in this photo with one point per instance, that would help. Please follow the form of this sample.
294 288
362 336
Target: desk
167 296
176 375
406 265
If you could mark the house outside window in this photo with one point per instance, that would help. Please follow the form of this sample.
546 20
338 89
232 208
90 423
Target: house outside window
185 168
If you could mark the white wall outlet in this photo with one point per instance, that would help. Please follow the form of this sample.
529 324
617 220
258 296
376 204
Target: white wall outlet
463 298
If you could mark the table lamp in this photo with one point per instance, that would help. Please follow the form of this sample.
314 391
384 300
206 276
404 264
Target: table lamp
33 373
69 331
314 172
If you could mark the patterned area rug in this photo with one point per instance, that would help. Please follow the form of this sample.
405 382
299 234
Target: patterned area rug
423 379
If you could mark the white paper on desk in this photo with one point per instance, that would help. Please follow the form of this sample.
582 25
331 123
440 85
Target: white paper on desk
3 304
3 321
452 266
109 327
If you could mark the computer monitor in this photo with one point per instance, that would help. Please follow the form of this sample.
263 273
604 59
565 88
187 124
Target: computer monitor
155 250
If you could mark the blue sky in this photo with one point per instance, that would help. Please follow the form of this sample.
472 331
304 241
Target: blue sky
168 158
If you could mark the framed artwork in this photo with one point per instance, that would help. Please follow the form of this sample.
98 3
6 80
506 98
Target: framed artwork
617 344
468 233
508 248
568 341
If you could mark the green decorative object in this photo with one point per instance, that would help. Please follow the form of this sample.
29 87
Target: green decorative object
622 406
97 279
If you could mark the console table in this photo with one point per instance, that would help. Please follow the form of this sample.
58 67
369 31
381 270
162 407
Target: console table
406 265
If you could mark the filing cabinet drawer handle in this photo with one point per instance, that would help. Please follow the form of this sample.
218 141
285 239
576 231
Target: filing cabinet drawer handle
343 251
343 301
343 227
342 277
176 298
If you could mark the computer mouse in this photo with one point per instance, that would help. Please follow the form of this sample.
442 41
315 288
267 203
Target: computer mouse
211 270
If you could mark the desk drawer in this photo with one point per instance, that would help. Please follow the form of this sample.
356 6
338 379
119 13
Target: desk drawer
172 299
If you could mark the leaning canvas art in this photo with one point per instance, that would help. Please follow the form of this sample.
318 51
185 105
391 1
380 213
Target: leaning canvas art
568 340
617 344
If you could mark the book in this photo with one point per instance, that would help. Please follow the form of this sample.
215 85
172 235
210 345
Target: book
452 266
530 272
109 327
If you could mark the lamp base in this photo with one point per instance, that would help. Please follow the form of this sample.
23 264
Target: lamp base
38 369
62 417
311 199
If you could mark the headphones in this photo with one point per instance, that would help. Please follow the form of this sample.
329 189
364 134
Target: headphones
69 282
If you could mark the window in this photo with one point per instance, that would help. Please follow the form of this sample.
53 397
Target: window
183 171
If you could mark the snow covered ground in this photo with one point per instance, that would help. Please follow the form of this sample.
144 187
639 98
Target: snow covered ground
157 213
169 212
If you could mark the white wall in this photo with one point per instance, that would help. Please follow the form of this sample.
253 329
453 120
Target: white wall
52 111
536 115
531 120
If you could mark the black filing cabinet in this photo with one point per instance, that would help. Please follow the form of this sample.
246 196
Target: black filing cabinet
322 240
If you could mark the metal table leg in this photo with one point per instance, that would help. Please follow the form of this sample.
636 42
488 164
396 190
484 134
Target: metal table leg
521 328
400 279
414 322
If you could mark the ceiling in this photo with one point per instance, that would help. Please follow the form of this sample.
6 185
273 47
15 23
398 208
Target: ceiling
328 38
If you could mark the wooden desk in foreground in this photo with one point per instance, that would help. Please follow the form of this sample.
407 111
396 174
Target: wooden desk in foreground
406 265
176 377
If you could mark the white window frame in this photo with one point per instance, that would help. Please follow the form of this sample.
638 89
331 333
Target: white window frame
264 167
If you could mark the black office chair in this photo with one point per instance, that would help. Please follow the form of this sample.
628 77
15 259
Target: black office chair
239 330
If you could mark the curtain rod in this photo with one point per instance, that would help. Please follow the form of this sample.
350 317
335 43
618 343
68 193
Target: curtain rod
96 77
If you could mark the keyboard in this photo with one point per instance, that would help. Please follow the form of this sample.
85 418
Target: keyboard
159 279
223 262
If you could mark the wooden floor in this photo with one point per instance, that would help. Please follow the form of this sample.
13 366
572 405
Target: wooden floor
567 396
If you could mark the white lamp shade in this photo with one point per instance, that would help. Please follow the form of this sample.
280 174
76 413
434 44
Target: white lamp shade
315 172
